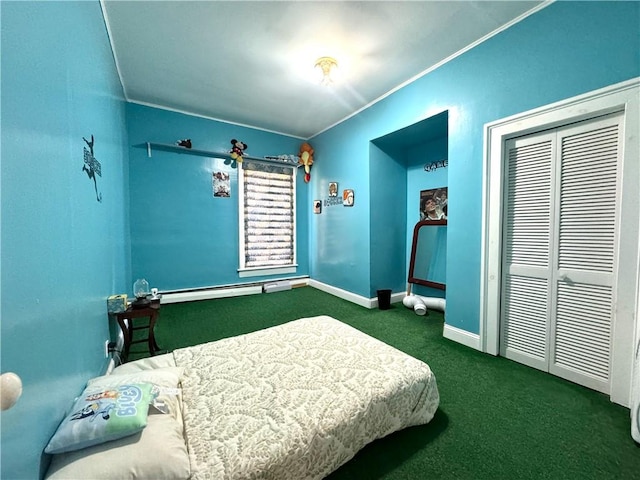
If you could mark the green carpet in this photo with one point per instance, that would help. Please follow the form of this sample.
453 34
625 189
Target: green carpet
497 419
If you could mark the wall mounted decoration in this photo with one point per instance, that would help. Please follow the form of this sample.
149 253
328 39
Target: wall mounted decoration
186 143
332 201
92 166
221 184
317 206
333 189
348 198
237 152
306 159
433 204
430 167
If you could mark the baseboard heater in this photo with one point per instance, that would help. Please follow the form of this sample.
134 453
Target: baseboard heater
232 291
210 293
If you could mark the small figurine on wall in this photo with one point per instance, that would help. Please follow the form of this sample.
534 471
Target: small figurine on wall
237 151
92 166
186 143
306 159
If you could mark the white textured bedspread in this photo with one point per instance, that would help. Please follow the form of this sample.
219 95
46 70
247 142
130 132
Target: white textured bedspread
296 401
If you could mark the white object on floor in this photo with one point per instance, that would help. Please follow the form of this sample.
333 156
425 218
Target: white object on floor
434 303
420 308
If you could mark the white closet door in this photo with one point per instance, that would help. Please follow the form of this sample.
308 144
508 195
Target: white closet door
527 258
587 210
559 256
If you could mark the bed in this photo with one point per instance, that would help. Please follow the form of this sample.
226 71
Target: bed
295 401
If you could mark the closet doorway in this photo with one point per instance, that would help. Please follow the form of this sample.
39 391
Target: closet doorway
542 272
560 249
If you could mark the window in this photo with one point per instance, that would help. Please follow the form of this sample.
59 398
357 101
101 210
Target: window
267 219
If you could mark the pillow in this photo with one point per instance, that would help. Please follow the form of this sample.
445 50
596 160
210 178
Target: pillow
158 452
168 377
101 414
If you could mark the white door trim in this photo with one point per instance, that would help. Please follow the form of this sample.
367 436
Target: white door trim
624 97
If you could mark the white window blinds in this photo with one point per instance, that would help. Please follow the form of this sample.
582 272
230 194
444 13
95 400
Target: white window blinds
267 223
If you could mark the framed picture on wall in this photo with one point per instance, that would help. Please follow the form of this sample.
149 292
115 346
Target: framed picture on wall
317 206
333 189
433 204
221 184
348 198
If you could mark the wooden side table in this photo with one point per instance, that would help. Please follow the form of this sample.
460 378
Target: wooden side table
125 320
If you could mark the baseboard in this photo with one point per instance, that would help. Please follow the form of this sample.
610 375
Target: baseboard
396 297
338 292
462 336
352 297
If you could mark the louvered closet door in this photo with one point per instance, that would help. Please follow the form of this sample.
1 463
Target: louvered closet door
586 256
526 283
559 255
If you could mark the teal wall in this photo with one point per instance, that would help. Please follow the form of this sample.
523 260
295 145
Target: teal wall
387 182
566 49
63 252
181 236
339 238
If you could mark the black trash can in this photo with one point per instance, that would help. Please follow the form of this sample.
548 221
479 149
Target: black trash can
384 299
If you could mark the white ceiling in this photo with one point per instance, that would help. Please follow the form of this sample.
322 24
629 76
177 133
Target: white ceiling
249 62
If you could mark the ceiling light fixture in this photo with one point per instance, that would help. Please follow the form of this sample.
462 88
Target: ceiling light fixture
327 67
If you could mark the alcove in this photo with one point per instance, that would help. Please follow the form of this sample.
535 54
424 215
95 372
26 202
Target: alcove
420 152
